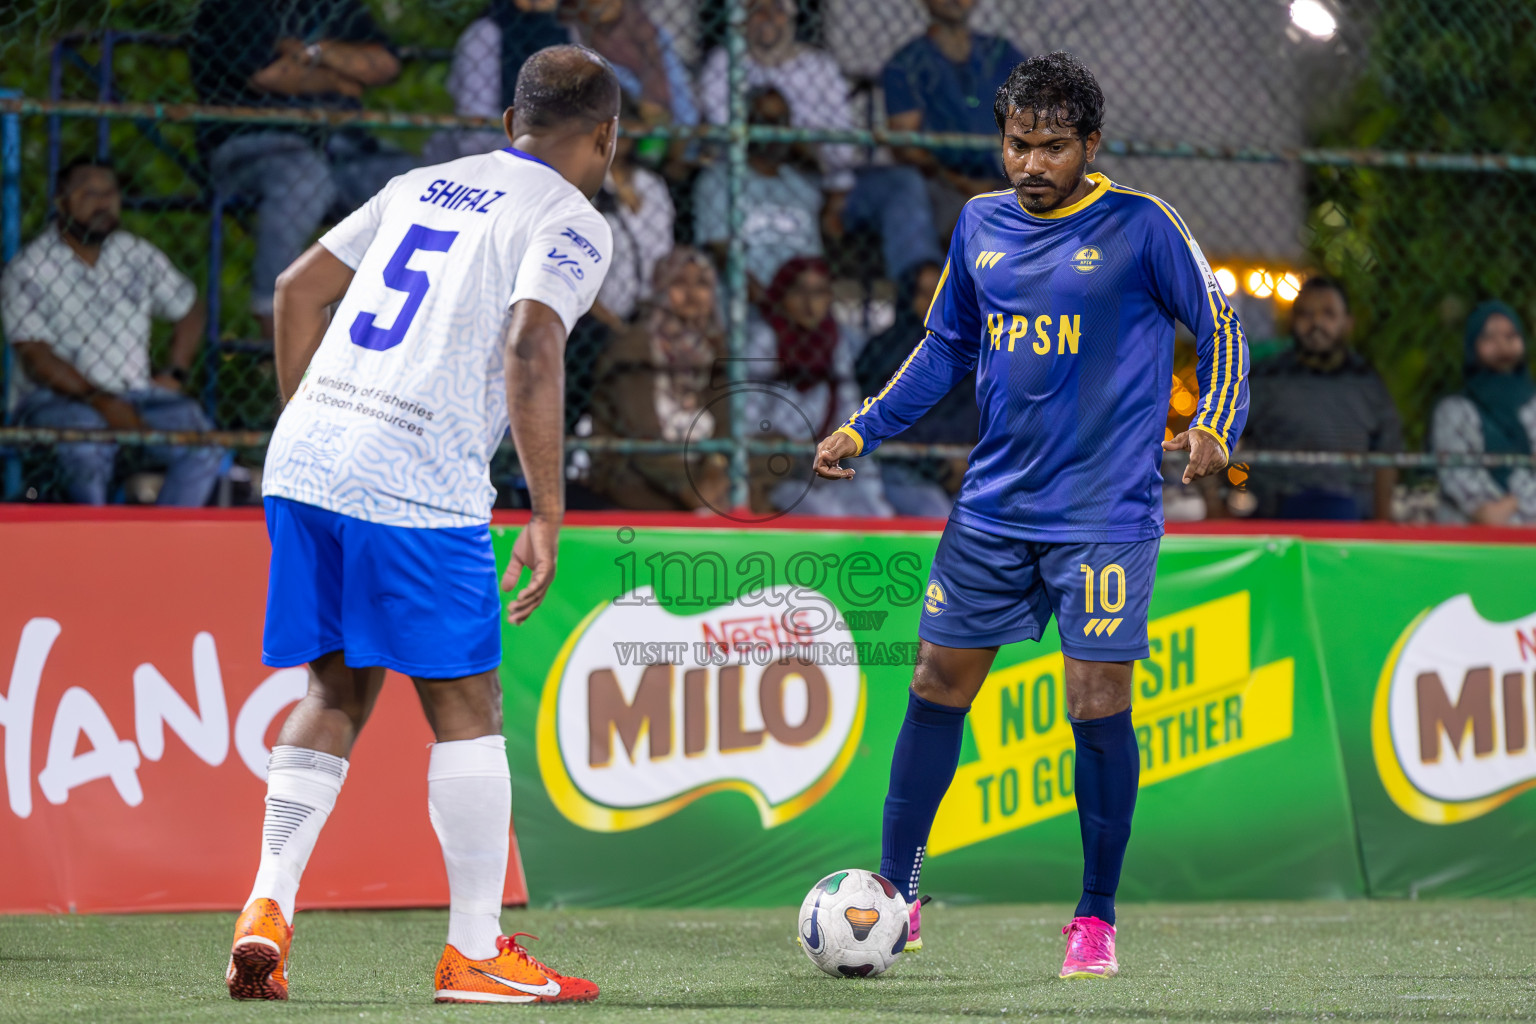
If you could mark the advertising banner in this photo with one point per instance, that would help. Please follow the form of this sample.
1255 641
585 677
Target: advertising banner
1430 651
137 717
707 717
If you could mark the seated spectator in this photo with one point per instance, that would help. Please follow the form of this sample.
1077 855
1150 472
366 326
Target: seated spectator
290 53
483 76
807 357
638 207
945 81
654 382
1494 413
780 207
643 55
76 304
1321 396
886 199
920 487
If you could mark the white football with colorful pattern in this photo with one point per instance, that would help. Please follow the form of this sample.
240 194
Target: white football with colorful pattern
853 924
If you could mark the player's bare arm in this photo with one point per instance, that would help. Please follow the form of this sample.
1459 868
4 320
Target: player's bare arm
1206 455
301 311
535 359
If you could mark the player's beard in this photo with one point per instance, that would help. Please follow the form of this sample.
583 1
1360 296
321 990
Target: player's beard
93 231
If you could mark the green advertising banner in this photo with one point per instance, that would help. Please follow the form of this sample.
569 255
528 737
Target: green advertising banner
706 717
1429 652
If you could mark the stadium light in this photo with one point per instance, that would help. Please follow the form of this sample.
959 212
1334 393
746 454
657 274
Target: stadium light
1288 287
1227 280
1313 18
1261 284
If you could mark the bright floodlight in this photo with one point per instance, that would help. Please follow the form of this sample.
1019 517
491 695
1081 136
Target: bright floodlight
1313 18
1227 280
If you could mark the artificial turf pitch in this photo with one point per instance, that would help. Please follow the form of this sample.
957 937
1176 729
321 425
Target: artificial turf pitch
1470 961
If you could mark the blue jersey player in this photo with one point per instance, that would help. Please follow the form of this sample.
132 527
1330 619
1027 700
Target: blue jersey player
1061 292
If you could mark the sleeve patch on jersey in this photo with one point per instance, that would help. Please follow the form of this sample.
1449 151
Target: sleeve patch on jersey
582 245
1211 285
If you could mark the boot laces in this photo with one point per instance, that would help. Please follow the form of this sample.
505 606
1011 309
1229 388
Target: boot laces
509 944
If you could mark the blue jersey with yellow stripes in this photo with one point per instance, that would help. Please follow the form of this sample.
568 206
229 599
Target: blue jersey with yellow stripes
1068 319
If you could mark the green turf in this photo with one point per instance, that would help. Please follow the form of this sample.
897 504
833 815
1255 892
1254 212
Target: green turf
1223 962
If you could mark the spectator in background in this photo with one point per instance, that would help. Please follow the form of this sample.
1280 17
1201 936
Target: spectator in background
290 53
643 55
1321 396
483 76
1494 413
654 382
799 347
886 199
945 81
638 207
919 487
77 303
781 208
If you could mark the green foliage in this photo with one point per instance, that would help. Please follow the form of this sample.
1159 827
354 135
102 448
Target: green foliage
1417 249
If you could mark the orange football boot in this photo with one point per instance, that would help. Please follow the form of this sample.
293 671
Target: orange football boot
258 964
511 976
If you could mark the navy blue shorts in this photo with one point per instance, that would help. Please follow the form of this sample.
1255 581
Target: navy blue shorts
420 601
985 590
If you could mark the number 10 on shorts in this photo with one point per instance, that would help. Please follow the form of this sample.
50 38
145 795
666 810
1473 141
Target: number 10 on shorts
1111 579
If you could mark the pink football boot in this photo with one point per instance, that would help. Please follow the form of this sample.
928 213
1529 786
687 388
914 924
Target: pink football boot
1090 949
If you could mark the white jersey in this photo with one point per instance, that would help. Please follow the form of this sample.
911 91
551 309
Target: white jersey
405 402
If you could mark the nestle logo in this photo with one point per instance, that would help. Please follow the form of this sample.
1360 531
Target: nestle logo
759 630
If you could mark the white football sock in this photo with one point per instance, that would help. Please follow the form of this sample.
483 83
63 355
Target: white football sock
469 796
302 786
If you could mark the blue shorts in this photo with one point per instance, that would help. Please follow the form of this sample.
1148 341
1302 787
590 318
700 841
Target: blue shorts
420 601
985 590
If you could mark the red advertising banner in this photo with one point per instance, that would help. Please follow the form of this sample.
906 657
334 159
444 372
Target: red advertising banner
137 716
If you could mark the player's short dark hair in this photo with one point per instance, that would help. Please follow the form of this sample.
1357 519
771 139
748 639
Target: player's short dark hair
1058 88
67 173
566 84
1322 282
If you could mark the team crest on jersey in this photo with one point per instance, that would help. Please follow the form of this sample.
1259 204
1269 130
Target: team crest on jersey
1087 259
934 603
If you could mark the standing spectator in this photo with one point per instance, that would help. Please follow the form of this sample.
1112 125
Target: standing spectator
1494 413
638 207
781 208
290 53
799 346
1321 396
920 487
944 81
653 382
886 199
643 55
483 76
77 303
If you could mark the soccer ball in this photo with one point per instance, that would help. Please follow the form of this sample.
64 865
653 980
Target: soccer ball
853 924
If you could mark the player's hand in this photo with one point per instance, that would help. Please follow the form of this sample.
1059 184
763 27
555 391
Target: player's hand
830 452
1205 454
535 548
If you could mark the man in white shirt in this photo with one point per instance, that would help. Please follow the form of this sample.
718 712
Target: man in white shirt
77 303
457 287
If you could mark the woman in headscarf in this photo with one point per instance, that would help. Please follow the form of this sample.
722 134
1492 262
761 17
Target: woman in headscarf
799 347
654 382
1495 412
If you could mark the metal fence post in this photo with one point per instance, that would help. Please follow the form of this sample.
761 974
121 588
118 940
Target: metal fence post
10 244
735 264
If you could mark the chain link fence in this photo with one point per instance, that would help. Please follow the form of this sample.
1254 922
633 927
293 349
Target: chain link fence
781 204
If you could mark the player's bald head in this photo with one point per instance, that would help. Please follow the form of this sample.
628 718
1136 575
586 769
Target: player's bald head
1052 88
564 87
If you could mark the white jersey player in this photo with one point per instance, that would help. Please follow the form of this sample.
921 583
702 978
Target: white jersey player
458 285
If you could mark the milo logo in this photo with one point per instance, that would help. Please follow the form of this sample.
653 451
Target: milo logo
645 711
1451 726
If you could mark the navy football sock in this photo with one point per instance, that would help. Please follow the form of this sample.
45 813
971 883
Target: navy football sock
927 752
1108 771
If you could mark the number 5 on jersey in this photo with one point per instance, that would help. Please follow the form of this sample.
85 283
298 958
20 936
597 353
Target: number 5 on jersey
400 278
